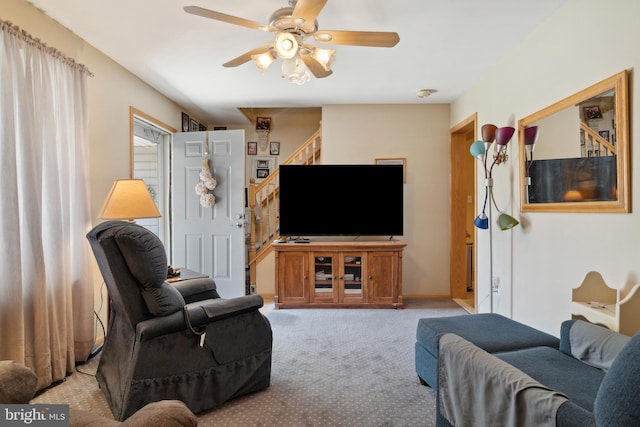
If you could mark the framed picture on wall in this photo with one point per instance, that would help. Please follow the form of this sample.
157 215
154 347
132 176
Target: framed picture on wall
604 134
193 125
261 166
274 148
185 122
263 123
252 148
592 112
394 161
201 127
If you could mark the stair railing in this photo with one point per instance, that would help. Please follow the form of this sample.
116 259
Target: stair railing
263 202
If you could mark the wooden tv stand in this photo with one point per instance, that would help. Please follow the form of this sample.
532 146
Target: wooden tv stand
338 274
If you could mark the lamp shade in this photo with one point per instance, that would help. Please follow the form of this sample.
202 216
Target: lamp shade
129 199
481 221
504 134
507 222
477 149
530 135
489 132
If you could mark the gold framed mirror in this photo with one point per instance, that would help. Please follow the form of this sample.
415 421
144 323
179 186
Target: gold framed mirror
575 156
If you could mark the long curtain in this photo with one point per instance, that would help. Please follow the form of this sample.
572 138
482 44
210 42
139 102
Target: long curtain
46 290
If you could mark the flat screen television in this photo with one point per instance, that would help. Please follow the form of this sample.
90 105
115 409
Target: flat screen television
341 200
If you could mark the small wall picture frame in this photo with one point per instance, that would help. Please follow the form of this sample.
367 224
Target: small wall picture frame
252 148
261 167
592 112
193 125
185 122
394 161
201 127
604 134
274 148
263 123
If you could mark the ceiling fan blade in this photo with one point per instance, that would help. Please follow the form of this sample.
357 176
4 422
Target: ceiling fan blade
357 38
314 66
307 10
218 16
246 57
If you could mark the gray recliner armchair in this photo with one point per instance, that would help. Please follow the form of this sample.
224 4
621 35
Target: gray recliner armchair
179 342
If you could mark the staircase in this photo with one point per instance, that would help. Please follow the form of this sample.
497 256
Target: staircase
592 144
264 222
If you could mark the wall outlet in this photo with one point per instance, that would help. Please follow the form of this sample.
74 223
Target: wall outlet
496 285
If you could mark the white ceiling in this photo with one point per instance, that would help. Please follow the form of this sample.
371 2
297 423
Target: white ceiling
446 45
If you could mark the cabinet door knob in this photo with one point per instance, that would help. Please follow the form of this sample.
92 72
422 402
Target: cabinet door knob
370 277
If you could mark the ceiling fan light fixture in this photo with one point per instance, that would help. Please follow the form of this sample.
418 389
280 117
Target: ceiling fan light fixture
263 60
294 70
325 57
286 45
323 37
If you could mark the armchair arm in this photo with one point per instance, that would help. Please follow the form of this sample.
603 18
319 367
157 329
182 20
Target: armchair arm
197 289
200 313
209 311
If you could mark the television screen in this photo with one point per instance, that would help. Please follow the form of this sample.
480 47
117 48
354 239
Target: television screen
341 200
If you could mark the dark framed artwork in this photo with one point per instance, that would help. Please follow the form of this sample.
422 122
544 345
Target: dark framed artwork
185 122
201 127
604 134
274 148
592 112
193 125
262 173
263 123
252 148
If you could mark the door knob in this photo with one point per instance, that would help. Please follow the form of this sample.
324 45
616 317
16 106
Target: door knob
239 224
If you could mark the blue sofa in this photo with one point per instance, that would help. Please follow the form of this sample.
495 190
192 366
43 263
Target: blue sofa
592 379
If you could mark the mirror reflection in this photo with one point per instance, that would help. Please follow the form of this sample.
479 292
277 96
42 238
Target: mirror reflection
574 153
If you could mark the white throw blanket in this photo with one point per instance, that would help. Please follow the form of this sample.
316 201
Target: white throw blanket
478 389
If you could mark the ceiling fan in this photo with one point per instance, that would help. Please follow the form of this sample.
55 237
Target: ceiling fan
292 26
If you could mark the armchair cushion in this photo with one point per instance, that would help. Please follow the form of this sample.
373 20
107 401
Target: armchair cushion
618 398
163 300
146 258
144 254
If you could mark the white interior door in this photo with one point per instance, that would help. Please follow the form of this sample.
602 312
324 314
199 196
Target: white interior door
210 240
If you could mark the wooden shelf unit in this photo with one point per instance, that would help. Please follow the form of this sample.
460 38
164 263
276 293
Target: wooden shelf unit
338 274
598 303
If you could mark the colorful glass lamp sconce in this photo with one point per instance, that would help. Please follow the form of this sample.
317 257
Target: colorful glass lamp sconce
480 150
530 139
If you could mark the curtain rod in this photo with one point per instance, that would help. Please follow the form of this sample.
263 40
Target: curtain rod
15 30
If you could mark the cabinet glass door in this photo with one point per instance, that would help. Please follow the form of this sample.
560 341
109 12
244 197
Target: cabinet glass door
352 276
323 280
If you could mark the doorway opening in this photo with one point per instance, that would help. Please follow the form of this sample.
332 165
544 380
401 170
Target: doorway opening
463 208
150 145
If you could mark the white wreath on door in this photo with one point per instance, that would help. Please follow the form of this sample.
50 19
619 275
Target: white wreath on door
207 183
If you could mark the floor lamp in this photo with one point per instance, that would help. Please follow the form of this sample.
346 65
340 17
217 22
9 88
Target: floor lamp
480 151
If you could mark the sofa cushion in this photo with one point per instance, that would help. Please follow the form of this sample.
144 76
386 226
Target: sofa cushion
591 344
577 380
489 331
618 400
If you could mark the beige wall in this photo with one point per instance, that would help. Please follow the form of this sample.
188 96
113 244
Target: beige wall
419 133
539 262
289 126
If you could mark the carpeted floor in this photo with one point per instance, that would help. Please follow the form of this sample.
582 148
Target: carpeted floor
330 367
